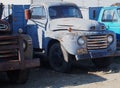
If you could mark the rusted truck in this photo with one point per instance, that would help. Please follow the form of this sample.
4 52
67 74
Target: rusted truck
16 53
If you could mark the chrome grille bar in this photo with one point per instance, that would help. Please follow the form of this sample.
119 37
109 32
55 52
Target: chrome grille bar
97 42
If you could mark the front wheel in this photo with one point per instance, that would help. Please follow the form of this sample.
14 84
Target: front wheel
18 76
59 58
102 62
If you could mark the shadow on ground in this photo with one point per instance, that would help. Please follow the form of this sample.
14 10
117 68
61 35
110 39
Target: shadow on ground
47 78
43 78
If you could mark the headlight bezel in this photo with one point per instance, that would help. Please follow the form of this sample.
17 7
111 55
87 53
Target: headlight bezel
81 41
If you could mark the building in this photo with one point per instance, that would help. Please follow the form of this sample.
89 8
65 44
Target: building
83 4
93 3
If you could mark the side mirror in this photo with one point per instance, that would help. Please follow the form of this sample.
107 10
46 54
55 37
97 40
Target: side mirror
27 14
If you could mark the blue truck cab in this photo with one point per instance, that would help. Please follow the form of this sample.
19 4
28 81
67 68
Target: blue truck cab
110 16
59 31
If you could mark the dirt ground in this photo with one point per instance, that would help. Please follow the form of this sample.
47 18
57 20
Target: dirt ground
87 77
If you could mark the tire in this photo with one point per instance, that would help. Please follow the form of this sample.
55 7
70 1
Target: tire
18 76
59 58
102 62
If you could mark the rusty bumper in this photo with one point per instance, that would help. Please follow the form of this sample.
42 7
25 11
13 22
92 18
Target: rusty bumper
15 64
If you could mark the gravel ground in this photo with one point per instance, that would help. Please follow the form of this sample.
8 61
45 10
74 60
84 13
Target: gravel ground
77 78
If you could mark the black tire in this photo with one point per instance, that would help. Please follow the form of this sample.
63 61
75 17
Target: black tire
102 62
18 76
59 58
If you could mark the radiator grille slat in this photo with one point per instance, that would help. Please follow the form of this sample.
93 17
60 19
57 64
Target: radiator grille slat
95 42
9 46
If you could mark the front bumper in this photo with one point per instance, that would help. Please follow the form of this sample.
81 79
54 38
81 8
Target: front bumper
19 65
95 55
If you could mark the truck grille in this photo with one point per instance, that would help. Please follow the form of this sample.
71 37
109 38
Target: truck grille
9 46
95 42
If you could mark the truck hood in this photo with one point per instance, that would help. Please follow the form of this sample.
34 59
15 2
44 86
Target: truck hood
74 23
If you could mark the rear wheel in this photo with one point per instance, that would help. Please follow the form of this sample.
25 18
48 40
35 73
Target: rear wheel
18 76
102 62
59 58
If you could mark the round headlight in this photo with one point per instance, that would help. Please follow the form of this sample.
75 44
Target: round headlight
110 39
81 41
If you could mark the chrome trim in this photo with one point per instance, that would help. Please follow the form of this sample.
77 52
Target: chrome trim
97 42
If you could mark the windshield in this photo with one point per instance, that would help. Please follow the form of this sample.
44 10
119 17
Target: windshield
64 11
109 15
118 10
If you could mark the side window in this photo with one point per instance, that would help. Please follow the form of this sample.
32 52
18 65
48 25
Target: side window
109 16
38 13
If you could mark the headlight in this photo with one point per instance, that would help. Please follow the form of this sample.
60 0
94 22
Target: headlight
81 41
110 39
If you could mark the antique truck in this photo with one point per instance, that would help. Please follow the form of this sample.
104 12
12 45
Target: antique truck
16 52
60 33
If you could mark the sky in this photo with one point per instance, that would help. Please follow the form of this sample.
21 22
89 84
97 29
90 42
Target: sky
92 3
86 3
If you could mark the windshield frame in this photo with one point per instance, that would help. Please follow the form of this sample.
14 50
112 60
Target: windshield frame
61 9
109 15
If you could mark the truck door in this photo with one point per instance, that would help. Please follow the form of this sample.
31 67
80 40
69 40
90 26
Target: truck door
111 21
38 20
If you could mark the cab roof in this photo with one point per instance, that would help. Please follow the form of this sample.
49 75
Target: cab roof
55 3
